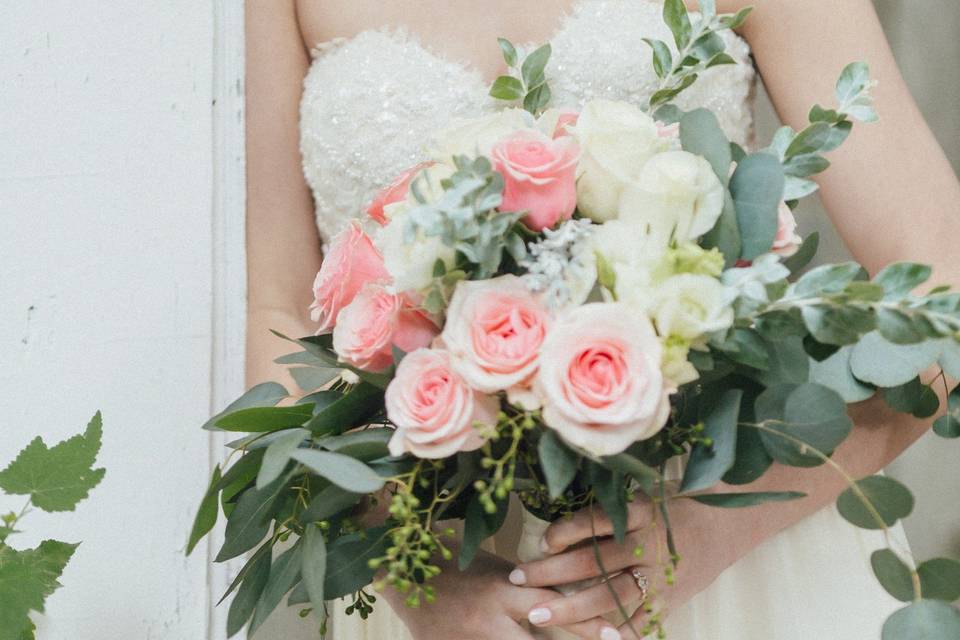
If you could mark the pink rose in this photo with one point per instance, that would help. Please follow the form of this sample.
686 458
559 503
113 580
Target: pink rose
668 130
375 321
494 331
539 176
564 120
393 192
434 409
787 240
351 262
600 378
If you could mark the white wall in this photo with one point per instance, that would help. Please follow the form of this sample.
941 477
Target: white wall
116 214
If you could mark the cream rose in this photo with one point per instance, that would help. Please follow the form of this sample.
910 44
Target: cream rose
690 306
493 332
434 409
616 140
678 197
410 262
477 136
600 378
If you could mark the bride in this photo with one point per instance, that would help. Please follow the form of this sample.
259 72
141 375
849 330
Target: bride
344 91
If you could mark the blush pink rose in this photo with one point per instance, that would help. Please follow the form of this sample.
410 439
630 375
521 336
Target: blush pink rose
351 262
376 320
564 120
668 130
600 378
494 331
393 192
787 240
434 409
539 176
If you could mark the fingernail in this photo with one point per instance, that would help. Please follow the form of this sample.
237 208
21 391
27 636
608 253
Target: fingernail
544 547
539 615
518 577
609 634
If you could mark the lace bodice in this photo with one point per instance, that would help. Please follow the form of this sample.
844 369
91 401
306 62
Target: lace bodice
370 103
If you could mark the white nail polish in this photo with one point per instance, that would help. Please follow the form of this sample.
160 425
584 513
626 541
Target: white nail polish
518 577
539 615
609 634
544 547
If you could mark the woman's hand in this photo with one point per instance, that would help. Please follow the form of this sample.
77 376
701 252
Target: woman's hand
479 604
572 558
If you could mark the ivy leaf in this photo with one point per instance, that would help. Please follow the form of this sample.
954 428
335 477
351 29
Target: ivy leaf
59 477
27 578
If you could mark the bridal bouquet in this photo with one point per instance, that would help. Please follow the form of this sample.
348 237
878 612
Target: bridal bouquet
556 304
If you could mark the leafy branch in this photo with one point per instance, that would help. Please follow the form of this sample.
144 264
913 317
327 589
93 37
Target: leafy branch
800 152
698 46
525 80
54 479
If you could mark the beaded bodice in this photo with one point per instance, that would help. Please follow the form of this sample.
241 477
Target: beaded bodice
372 102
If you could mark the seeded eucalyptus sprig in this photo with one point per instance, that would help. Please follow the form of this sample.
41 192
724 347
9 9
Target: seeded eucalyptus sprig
525 80
699 47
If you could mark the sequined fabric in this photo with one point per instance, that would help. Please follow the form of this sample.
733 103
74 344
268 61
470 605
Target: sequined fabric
370 103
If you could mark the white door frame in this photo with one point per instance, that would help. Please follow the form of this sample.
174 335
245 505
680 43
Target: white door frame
229 266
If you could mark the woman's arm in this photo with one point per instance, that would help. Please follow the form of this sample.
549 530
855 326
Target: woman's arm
893 196
283 248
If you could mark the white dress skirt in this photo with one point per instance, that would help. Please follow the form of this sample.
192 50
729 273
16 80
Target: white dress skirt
370 104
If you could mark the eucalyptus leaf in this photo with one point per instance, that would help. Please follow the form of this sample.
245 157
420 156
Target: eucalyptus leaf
277 455
313 566
260 419
923 620
330 501
890 498
609 487
676 17
757 190
948 425
900 278
362 402
893 574
509 52
806 253
740 500
533 65
799 419
266 394
558 462
879 362
478 526
835 373
708 464
940 579
284 573
207 513
348 557
248 594
249 522
343 471
507 88
700 134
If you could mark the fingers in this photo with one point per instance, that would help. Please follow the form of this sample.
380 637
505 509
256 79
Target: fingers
519 601
574 565
588 604
569 531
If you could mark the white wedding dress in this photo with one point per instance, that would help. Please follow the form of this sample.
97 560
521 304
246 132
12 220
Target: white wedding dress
369 104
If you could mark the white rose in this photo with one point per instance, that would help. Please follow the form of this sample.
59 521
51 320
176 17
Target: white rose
678 197
479 135
689 306
410 264
616 141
